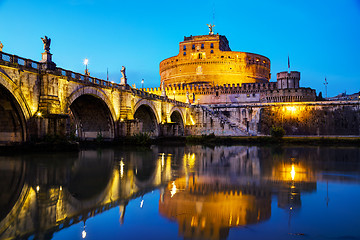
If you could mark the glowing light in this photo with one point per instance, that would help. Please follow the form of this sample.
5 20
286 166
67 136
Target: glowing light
291 109
292 172
121 168
192 120
121 119
203 223
162 160
37 188
86 61
173 189
83 234
141 203
60 188
194 222
191 160
38 114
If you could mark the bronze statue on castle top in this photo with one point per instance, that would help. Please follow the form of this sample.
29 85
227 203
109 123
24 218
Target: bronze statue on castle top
211 32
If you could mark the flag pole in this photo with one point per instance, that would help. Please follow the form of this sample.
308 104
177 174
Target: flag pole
288 63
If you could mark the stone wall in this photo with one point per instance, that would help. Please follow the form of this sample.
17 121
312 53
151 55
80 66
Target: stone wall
331 119
308 118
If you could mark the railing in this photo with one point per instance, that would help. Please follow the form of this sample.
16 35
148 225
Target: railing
28 63
145 94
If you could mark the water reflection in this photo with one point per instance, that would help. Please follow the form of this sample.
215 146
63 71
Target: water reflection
206 191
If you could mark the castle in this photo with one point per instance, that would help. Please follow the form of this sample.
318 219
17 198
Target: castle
206 71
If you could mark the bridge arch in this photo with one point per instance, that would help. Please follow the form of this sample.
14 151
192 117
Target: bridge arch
91 114
14 111
91 178
145 111
177 117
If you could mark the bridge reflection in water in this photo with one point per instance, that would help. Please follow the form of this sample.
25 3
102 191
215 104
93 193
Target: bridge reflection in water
206 191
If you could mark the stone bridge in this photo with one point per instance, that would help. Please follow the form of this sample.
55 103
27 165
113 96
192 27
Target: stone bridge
39 99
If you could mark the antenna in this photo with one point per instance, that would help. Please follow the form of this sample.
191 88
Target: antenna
213 15
326 83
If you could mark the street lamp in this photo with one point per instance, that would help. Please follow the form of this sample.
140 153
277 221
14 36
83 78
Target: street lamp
86 61
174 94
142 83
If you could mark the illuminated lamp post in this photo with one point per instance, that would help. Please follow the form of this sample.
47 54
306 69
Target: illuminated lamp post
174 94
142 83
86 61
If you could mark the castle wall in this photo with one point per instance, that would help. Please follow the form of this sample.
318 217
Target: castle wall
301 118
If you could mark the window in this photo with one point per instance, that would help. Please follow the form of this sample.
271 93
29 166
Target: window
193 46
200 56
184 47
211 45
212 51
202 46
184 54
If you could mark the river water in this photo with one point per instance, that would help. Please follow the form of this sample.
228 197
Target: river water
185 192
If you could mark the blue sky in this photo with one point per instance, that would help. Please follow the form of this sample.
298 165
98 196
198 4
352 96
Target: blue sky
321 37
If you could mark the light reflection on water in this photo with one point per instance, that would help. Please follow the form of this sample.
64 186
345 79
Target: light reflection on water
191 192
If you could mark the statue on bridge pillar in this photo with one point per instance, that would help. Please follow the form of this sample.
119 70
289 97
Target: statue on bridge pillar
47 42
187 97
163 92
1 46
48 64
123 78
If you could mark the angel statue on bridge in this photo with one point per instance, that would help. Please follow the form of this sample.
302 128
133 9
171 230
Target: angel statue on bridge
46 42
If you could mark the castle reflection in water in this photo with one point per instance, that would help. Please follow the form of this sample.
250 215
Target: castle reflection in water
206 191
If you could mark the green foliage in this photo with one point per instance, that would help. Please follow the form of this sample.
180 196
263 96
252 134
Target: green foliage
142 139
277 132
99 137
200 139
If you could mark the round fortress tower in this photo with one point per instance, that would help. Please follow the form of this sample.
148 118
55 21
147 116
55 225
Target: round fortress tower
208 60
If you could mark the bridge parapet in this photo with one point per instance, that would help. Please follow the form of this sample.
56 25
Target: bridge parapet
58 101
16 61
